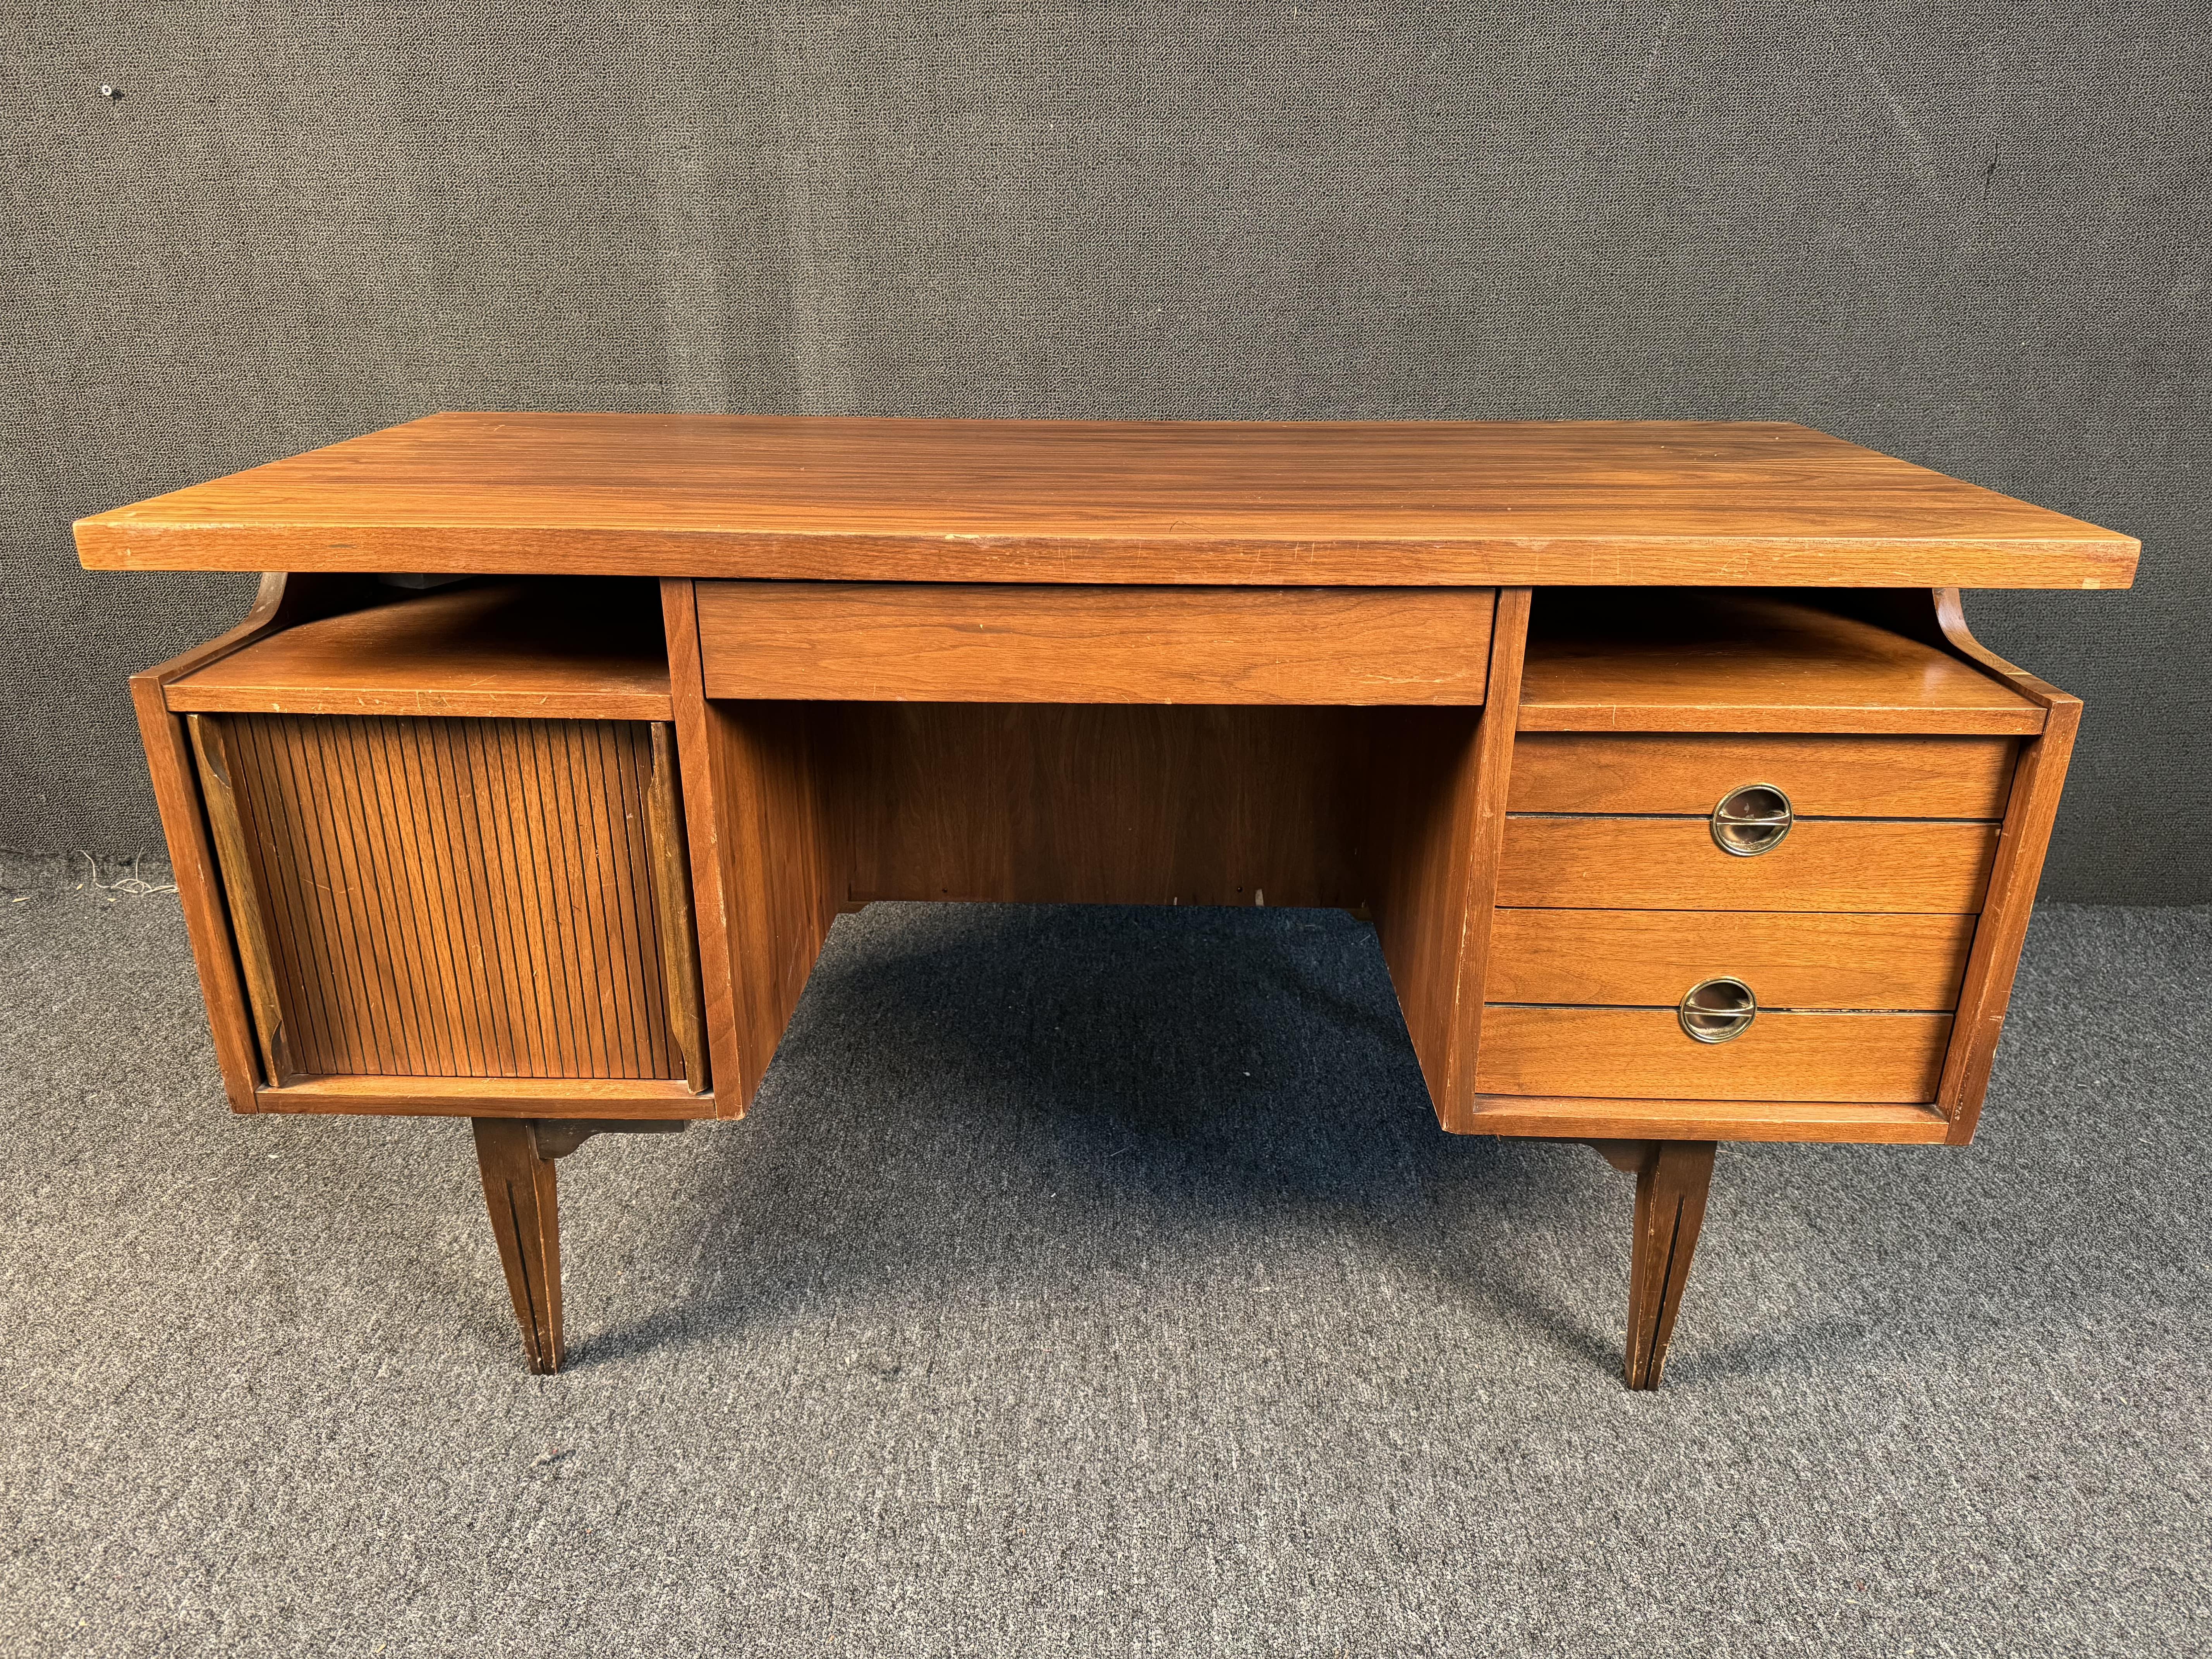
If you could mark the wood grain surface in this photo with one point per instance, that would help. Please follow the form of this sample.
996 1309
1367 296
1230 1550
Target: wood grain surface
1550 1118
522 1198
1438 798
1642 1054
984 642
642 1099
756 781
1100 804
238 856
1850 777
1748 662
775 879
1925 866
675 916
2018 867
463 898
1431 880
1650 957
707 827
282 602
569 649
1670 1208
1357 503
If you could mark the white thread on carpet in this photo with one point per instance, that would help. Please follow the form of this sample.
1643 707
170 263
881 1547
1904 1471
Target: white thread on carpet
130 884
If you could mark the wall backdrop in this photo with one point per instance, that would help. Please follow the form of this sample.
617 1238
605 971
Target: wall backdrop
1975 235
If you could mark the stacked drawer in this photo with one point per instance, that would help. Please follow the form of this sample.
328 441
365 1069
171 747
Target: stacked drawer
1755 918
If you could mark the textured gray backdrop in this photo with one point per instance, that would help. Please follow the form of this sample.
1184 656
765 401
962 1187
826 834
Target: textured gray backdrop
1974 235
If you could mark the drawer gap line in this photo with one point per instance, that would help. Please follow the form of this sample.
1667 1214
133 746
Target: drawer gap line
1703 817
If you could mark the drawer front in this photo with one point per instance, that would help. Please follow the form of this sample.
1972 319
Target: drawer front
1642 1054
1847 777
1673 864
981 642
1649 958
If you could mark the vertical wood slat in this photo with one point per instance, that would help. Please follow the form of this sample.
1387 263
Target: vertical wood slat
593 874
436 897
326 801
533 915
362 770
499 1011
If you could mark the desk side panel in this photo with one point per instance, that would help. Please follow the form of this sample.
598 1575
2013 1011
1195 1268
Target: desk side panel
283 601
1440 803
2015 874
758 838
199 892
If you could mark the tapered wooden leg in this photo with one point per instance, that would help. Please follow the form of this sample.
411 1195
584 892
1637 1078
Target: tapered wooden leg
520 1190
1671 1179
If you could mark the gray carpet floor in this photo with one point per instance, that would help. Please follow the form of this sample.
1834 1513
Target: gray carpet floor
1095 1281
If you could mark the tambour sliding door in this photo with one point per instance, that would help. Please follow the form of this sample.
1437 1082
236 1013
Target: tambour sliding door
444 898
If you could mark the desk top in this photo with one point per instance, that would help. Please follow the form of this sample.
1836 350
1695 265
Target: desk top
1302 504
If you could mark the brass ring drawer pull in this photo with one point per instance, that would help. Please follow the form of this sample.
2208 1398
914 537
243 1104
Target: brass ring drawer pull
1751 820
1718 1009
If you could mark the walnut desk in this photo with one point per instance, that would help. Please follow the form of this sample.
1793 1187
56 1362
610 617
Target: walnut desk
1684 805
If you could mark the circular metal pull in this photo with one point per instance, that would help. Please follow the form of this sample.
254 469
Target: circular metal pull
1716 1009
1751 820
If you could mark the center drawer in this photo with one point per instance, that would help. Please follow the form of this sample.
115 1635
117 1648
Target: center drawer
1054 643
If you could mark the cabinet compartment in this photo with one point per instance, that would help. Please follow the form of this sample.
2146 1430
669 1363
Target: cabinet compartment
1742 660
1832 803
454 898
431 843
571 647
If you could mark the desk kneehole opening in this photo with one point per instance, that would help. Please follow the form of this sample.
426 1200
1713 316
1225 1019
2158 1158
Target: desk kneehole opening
1718 1009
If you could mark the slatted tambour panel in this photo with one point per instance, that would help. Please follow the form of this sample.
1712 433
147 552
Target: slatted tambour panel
457 897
